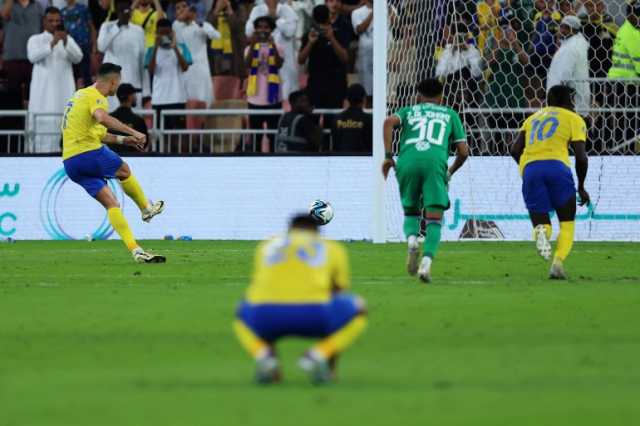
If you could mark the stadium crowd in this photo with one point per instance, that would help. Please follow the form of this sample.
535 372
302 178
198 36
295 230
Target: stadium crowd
504 55
191 54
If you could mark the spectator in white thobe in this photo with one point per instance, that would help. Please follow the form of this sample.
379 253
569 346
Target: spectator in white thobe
52 53
123 44
362 21
285 36
570 64
197 79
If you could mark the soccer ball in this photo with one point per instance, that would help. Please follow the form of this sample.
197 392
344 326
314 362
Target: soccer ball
321 211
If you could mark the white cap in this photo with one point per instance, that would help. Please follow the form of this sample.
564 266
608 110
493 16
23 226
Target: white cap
571 22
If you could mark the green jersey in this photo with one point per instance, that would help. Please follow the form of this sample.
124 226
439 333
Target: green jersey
428 130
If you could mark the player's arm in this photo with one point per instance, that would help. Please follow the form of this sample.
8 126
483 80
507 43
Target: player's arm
390 123
582 164
459 137
518 147
462 153
123 140
112 123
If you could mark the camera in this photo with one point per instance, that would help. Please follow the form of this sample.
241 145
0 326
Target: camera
165 41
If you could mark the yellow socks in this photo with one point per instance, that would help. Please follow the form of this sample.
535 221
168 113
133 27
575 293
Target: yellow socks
132 188
252 343
342 338
119 223
565 240
547 231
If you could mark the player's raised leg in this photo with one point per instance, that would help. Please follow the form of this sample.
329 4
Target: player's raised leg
132 188
121 226
348 318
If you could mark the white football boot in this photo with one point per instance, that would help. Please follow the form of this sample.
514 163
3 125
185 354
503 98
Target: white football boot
154 209
557 271
542 242
424 271
413 255
141 256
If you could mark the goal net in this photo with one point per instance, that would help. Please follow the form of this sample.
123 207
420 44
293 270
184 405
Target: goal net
494 58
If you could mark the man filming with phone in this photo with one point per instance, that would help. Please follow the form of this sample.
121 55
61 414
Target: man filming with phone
166 61
325 53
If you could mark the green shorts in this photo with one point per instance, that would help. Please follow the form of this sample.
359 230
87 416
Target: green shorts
422 185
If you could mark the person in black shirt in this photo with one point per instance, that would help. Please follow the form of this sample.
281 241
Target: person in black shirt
297 130
127 96
325 48
352 129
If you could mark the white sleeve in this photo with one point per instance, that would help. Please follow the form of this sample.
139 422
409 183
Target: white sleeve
475 61
212 33
443 63
74 53
106 35
357 18
248 27
38 48
287 22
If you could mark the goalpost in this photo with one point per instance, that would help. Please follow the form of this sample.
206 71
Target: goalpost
494 78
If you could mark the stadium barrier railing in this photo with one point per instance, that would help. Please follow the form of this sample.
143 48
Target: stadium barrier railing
211 137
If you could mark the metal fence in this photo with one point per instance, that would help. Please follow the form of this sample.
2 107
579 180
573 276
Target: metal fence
215 131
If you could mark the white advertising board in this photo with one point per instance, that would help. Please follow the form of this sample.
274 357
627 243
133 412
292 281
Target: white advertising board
252 198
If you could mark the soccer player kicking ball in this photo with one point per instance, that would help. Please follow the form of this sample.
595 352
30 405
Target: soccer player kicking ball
541 149
427 131
299 289
89 163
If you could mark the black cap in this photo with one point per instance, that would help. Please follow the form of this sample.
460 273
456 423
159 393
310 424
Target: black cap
125 90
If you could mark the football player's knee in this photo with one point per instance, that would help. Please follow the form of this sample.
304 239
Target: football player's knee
361 306
124 171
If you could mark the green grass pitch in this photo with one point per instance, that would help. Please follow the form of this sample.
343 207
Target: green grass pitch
89 338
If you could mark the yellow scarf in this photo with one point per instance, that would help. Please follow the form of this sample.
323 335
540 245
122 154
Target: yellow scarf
273 79
223 45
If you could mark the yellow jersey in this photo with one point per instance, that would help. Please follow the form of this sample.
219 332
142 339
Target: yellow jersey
139 17
548 133
80 130
299 267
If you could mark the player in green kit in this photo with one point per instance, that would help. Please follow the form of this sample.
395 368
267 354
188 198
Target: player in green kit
428 129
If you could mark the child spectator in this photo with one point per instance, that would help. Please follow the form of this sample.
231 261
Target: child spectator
263 58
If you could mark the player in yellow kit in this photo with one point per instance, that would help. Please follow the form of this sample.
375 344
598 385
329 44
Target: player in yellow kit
89 163
542 152
299 289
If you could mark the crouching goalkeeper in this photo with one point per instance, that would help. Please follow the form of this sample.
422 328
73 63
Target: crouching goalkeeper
299 289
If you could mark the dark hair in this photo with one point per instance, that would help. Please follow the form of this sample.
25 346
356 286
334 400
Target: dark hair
163 23
430 88
52 10
268 19
295 96
633 8
303 221
321 14
108 68
560 96
356 94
